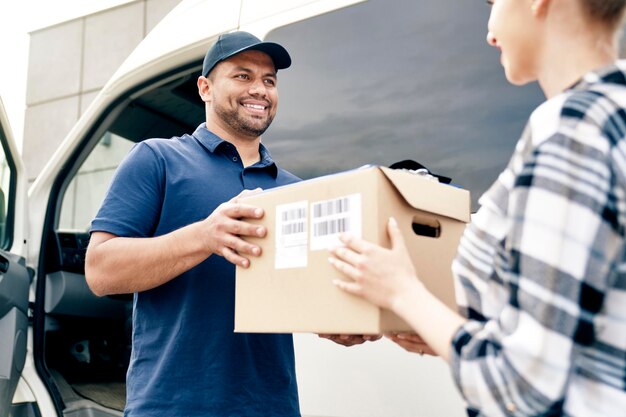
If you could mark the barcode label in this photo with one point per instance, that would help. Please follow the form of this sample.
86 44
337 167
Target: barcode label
331 227
330 218
291 235
294 214
331 207
291 228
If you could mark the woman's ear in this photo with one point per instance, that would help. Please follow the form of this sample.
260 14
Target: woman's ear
539 7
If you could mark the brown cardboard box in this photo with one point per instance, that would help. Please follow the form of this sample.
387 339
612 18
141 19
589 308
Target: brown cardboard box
289 288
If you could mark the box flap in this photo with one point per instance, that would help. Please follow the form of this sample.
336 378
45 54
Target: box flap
431 196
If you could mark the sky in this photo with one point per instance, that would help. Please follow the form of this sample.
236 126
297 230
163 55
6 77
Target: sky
17 19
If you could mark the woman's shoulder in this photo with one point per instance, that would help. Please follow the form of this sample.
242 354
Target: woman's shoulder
597 111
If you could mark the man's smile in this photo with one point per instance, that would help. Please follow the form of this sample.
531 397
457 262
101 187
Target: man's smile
256 108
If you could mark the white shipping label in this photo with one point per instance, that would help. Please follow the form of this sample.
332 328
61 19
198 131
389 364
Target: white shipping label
330 218
291 235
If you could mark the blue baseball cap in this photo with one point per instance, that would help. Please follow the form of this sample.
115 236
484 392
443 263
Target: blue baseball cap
229 44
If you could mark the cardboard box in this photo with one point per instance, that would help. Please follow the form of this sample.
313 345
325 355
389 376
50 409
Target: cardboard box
289 288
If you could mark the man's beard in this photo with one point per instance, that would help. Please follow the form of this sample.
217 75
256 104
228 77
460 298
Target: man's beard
241 125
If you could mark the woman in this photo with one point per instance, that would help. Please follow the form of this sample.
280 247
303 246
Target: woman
541 270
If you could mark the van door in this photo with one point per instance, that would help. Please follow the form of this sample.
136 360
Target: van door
14 277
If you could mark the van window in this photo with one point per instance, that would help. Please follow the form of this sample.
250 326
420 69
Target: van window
171 108
377 83
85 192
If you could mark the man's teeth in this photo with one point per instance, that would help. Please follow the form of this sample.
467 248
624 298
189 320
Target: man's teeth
255 106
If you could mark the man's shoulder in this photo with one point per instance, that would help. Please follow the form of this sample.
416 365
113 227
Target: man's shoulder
165 143
165 147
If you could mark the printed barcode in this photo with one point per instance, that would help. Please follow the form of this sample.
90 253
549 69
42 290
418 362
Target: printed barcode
292 228
330 227
330 207
294 214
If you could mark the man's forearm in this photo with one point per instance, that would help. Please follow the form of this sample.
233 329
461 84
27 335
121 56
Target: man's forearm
125 265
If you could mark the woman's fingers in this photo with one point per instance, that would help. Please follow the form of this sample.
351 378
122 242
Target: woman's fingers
346 255
361 246
411 343
347 286
355 243
395 235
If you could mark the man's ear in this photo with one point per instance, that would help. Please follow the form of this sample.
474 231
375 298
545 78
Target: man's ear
204 88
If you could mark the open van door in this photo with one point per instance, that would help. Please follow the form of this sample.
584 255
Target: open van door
14 277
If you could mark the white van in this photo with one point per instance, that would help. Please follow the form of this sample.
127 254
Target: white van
371 82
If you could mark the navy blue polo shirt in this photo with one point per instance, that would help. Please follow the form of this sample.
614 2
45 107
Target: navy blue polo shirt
186 360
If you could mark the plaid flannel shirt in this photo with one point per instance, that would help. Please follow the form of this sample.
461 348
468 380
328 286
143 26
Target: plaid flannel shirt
541 270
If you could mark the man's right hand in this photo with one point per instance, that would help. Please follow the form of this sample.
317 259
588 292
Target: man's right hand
120 265
225 228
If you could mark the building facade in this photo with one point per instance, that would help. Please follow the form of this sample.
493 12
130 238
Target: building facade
68 65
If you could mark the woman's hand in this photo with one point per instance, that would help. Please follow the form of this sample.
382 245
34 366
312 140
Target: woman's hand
350 339
381 276
411 343
386 277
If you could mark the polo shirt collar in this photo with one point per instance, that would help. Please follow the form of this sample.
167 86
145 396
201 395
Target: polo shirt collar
211 142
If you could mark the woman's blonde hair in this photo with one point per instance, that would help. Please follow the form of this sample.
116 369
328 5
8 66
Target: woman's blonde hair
610 12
